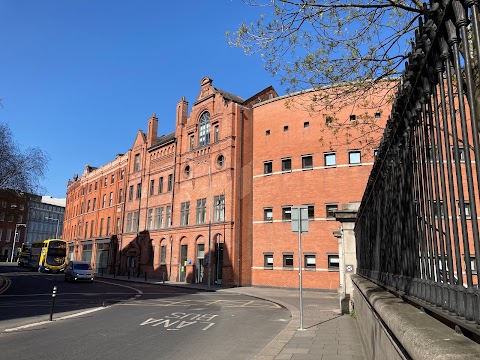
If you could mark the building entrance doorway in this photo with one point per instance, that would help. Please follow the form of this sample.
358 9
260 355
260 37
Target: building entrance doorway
183 262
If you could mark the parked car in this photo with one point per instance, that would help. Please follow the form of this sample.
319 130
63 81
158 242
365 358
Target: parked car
79 271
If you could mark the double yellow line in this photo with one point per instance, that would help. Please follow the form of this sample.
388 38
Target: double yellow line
4 284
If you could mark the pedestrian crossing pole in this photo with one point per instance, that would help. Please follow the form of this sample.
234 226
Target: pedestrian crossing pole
300 224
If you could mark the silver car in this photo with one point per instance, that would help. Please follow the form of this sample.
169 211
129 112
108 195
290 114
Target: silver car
79 271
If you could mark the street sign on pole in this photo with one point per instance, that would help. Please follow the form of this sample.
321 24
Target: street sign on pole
299 219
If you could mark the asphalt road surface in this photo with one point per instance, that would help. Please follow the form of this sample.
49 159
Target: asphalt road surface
130 321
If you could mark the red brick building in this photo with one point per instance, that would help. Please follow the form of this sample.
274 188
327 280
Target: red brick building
210 202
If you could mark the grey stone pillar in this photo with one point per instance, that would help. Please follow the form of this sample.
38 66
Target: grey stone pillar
346 253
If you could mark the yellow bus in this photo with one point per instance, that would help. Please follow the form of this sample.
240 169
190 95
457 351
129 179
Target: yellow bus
48 255
24 255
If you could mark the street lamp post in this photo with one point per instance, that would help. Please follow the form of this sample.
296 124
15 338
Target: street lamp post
58 222
210 215
15 239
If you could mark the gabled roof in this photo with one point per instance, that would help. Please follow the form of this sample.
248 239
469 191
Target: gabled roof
230 96
163 140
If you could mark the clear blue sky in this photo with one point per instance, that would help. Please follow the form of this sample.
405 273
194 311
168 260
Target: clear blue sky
79 78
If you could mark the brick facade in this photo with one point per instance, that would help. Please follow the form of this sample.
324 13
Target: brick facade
217 154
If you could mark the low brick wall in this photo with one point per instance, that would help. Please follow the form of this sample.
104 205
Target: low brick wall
392 329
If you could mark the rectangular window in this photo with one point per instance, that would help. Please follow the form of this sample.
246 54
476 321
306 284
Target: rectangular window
167 216
306 124
152 187
285 128
311 212
130 193
135 221
354 157
473 265
139 190
137 163
286 213
157 224
120 196
112 179
310 262
118 226
331 208
86 229
268 214
100 230
467 209
375 153
267 167
90 188
192 142
163 254
219 209
107 232
92 229
129 222
215 133
94 203
122 174
268 261
435 209
104 202
110 201
96 185
160 185
105 181
287 164
184 213
353 117
377 115
150 219
267 132
333 262
307 162
330 159
170 182
288 261
88 205
201 211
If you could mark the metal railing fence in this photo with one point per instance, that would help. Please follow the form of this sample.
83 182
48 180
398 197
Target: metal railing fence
417 227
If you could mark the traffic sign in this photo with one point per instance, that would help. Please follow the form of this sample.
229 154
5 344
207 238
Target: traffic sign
299 219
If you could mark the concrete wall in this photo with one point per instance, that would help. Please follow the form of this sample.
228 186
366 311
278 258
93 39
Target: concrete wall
392 329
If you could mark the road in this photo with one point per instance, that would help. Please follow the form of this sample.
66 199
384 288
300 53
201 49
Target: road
130 321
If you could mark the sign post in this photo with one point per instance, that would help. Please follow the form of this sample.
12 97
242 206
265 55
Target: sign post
299 225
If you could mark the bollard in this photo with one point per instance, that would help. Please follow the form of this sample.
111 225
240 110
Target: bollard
54 293
102 271
163 278
128 274
145 276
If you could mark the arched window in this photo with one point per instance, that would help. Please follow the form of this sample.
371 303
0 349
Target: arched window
204 136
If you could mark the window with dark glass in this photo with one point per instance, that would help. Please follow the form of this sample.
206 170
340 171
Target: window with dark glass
110 201
192 142
267 167
286 213
107 232
152 187
160 185
307 162
287 164
215 133
333 262
331 208
130 193
120 195
187 171
139 190
170 182
288 260
163 254
220 160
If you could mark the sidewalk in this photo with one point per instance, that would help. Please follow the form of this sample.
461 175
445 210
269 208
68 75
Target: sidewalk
326 334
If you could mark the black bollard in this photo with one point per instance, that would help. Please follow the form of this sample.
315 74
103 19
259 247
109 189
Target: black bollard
54 294
145 276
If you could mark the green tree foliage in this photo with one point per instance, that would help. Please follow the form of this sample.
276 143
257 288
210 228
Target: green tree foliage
20 170
314 44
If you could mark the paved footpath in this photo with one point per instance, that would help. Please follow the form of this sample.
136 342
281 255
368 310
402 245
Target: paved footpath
326 334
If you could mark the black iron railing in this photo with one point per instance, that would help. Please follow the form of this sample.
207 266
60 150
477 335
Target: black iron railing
417 227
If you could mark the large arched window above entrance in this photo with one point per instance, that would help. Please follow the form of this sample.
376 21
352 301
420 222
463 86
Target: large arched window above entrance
204 135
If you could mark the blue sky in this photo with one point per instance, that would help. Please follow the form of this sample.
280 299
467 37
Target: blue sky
79 78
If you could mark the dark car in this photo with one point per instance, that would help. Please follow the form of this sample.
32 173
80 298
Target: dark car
79 271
